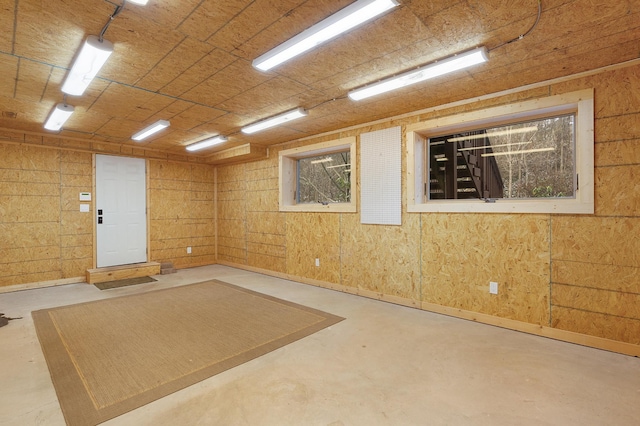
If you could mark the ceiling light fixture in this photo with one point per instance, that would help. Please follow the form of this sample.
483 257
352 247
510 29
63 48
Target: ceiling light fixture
207 143
58 117
274 121
338 23
140 2
435 69
92 56
148 131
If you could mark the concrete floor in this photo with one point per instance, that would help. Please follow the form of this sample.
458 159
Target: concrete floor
383 365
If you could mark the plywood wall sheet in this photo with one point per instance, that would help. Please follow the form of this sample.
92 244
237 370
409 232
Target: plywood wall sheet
597 240
233 210
625 305
619 128
69 268
277 251
17 255
7 22
262 200
28 158
311 236
614 199
269 263
617 153
167 170
27 188
595 324
232 228
75 222
25 235
8 67
29 209
202 209
167 204
170 229
383 259
268 224
462 253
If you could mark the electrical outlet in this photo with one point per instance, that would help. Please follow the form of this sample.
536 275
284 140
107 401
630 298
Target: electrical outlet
493 287
317 261
188 250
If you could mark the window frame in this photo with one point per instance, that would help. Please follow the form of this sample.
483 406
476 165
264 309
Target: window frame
288 176
580 103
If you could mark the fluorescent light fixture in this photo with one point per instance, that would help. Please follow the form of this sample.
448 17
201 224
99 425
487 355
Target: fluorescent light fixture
338 23
324 160
436 69
92 56
475 148
206 143
148 131
140 2
58 117
274 121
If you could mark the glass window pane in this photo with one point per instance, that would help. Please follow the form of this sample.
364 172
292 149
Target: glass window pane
515 161
325 179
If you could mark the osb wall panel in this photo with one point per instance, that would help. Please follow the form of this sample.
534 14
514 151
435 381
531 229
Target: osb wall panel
382 259
462 253
182 213
312 236
265 225
44 236
595 261
232 227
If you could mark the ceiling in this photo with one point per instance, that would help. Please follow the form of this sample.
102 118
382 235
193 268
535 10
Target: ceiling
189 61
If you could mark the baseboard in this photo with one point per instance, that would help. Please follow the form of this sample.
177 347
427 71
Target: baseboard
524 327
42 284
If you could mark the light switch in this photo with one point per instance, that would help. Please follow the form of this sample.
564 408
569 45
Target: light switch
84 208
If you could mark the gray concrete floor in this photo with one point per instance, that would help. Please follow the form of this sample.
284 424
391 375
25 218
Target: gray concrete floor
383 365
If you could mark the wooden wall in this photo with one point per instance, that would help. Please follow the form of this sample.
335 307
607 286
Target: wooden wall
45 238
579 273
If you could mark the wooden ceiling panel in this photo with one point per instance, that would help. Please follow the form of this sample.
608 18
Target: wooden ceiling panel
262 96
194 116
8 71
227 83
187 53
52 31
254 18
207 66
210 16
120 101
32 80
189 61
7 10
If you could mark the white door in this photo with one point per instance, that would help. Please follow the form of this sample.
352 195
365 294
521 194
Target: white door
121 219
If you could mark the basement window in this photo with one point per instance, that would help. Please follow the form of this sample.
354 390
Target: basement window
318 178
530 157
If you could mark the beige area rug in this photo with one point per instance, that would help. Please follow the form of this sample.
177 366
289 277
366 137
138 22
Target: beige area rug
110 356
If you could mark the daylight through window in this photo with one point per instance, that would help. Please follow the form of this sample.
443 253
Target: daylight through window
324 179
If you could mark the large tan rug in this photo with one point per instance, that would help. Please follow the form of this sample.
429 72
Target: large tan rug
111 356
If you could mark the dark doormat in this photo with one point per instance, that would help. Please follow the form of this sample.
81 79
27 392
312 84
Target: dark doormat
123 283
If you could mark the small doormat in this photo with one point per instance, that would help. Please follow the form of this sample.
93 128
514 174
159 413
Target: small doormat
123 283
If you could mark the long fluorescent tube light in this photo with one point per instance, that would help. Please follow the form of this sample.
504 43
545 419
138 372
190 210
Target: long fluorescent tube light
274 121
206 143
436 69
140 2
148 131
338 23
59 115
92 56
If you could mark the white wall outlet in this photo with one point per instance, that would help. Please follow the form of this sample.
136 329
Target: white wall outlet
493 287
317 261
188 250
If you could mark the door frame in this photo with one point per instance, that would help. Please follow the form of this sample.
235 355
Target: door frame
93 206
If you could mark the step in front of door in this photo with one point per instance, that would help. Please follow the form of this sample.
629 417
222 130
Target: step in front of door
113 273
